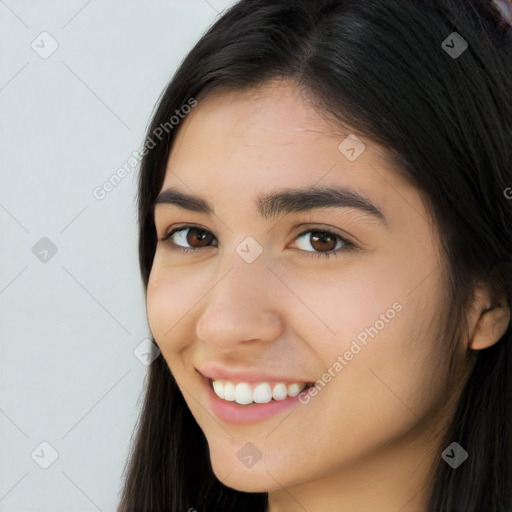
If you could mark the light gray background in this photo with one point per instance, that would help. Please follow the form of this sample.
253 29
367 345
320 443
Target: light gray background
69 325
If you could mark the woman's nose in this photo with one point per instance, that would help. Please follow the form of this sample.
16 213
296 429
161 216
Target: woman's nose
241 307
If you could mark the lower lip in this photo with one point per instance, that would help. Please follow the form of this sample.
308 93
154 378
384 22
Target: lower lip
232 412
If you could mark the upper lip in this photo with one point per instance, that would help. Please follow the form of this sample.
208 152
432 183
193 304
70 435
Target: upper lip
215 371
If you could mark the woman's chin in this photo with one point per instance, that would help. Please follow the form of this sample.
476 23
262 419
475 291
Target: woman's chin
244 479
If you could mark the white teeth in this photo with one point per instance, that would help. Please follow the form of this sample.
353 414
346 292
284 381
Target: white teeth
218 388
262 393
229 391
244 394
280 392
294 389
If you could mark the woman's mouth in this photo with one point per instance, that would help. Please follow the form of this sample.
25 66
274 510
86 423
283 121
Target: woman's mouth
245 402
245 393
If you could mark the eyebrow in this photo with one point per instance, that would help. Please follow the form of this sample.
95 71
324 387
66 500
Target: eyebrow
282 202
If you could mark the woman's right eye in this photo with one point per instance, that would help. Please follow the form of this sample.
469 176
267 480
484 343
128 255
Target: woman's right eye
194 234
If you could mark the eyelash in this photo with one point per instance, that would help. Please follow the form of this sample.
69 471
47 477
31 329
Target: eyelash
348 246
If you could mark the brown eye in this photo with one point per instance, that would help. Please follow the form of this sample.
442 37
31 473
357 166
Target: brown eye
323 241
320 241
196 238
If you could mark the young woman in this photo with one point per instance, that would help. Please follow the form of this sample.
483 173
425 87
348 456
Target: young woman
325 209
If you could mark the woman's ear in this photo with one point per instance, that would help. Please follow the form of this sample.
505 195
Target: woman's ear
488 319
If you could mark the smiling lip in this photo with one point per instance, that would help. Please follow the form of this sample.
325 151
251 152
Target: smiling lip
215 371
232 412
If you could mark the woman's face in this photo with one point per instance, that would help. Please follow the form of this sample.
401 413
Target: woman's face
251 303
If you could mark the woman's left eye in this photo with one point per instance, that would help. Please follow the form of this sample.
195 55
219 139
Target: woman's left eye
318 239
323 239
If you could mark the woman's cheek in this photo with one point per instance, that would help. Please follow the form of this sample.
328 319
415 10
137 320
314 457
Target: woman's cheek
339 307
160 305
172 294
